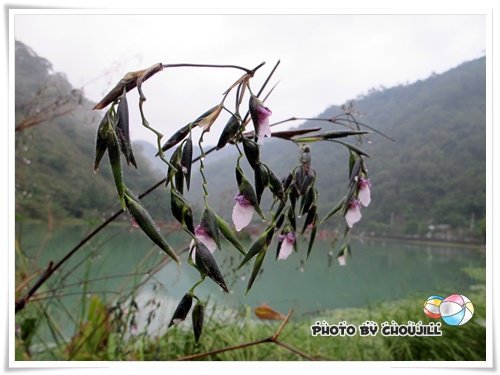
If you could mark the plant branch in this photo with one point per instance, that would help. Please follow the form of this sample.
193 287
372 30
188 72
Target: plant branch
271 339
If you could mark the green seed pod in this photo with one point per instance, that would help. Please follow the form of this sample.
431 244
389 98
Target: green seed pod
116 165
177 137
198 315
182 310
187 160
208 266
252 152
276 186
230 130
148 226
209 222
229 234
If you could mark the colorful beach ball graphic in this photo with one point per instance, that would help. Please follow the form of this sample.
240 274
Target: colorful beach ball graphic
456 310
431 307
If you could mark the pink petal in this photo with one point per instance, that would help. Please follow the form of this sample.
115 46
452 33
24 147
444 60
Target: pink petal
364 195
264 131
286 249
341 260
353 215
242 215
206 240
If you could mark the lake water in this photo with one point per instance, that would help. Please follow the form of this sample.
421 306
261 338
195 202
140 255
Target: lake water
375 272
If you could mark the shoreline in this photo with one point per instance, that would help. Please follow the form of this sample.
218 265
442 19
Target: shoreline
422 241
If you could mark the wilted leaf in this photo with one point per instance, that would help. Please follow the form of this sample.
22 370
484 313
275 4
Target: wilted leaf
265 312
206 120
127 83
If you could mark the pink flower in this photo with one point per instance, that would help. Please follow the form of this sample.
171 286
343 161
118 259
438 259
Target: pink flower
260 117
353 214
364 194
242 212
287 242
202 235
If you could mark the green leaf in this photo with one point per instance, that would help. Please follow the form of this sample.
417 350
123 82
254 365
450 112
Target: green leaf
208 266
122 130
230 235
311 239
310 218
101 142
258 246
197 316
148 226
255 270
288 134
356 149
116 165
182 310
336 209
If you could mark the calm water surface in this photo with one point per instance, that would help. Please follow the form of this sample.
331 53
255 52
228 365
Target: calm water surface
375 272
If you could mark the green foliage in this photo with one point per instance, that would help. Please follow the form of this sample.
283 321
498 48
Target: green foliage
54 159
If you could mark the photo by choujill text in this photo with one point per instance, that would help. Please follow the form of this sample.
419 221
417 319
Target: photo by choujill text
370 328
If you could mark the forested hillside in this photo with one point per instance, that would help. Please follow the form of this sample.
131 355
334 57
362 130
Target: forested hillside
55 141
435 172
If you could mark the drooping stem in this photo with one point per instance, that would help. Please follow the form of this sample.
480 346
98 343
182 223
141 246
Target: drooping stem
202 169
159 136
186 65
21 303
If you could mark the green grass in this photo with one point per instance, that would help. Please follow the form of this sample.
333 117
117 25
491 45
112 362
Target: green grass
464 343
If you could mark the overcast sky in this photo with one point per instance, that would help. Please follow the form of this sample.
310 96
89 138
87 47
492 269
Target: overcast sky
325 59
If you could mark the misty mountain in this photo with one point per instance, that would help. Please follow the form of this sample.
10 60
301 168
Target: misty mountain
55 145
435 172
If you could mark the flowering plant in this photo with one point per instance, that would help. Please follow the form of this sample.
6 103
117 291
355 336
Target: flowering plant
295 197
